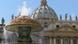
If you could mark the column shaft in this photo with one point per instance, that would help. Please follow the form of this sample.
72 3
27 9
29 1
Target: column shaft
50 40
61 41
54 40
71 41
77 41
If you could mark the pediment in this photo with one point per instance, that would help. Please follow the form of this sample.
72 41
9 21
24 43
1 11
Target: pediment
70 29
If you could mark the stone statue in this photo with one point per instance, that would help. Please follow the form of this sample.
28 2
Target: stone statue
70 18
12 17
2 21
76 18
60 17
66 16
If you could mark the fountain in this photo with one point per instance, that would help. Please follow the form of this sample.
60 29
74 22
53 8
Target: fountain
19 29
9 36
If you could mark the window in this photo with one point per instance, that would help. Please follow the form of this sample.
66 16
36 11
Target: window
45 24
74 26
57 26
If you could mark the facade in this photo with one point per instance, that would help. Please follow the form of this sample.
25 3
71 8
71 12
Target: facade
44 27
55 30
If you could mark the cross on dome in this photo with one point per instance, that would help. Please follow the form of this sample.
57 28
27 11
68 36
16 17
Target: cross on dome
43 2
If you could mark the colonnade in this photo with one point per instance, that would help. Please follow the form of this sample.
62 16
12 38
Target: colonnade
61 41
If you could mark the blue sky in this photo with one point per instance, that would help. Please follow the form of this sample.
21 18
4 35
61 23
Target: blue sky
9 7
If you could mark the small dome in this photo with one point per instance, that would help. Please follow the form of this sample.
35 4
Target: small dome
44 11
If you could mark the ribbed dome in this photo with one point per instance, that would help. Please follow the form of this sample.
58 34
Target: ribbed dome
44 11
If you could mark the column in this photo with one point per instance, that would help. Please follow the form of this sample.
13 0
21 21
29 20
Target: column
54 40
40 41
71 41
77 41
62 41
50 40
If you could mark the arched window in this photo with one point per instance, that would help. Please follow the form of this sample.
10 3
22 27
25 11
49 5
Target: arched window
57 26
45 24
74 26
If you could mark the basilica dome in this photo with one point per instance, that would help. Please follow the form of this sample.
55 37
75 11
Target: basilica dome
44 11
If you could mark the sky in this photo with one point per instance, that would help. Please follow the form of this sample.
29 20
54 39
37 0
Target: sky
9 7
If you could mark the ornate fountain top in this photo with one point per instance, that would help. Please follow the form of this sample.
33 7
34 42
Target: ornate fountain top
24 11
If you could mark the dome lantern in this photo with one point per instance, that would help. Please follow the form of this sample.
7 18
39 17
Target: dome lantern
43 2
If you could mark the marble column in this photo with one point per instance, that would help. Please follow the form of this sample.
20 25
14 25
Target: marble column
71 41
50 40
54 40
40 41
62 41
